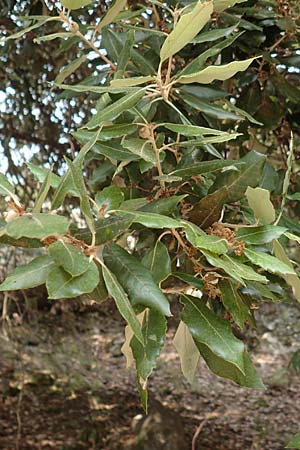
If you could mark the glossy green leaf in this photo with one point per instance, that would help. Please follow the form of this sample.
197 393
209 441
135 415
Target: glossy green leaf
29 275
123 304
204 167
114 110
224 369
187 351
294 442
163 206
204 241
189 279
212 331
69 257
136 280
260 235
111 14
99 294
233 302
268 262
106 229
212 73
60 284
188 26
150 220
75 4
114 153
141 148
259 201
208 109
154 334
38 225
109 198
234 268
158 261
214 35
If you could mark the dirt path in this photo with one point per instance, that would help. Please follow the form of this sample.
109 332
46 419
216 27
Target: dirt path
64 387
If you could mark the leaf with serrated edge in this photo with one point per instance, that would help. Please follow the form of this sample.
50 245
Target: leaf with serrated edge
268 262
69 257
188 26
211 73
187 351
135 279
212 331
61 284
124 306
260 203
29 275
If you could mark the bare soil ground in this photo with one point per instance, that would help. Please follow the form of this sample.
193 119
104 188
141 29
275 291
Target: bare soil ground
64 386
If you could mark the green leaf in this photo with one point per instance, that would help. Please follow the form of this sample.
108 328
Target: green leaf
189 279
214 35
294 442
41 174
114 110
123 304
109 198
260 235
150 220
111 14
106 229
187 351
61 284
43 192
95 89
52 36
69 69
260 290
234 303
204 167
154 334
38 225
20 33
204 241
207 109
140 147
259 201
224 369
220 5
163 206
75 4
136 280
125 55
192 130
158 261
131 82
233 267
66 185
6 188
212 331
212 73
78 181
268 262
292 280
29 275
70 258
107 133
188 26
99 294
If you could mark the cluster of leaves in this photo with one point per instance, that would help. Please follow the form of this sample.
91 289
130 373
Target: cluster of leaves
168 215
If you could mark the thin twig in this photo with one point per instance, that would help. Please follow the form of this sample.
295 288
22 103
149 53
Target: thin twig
197 432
